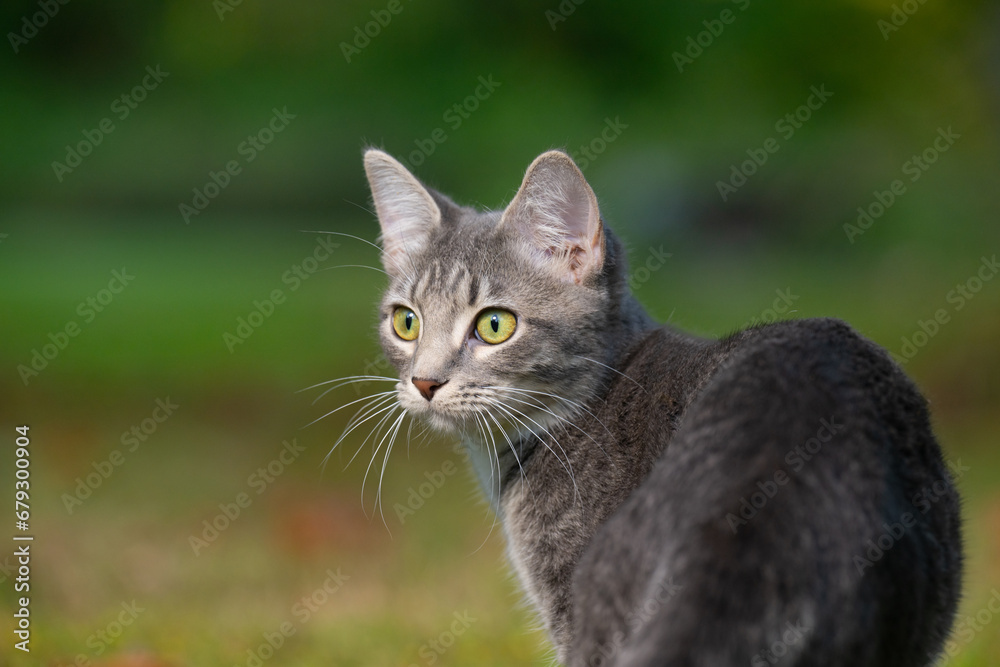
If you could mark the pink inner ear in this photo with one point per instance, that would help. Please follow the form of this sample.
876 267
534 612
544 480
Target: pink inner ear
557 212
577 256
583 233
577 217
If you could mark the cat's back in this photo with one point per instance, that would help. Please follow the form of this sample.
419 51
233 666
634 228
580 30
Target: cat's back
785 451
818 366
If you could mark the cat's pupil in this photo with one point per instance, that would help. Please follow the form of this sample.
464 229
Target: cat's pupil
495 323
409 320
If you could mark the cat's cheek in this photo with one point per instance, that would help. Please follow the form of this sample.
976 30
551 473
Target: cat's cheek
397 353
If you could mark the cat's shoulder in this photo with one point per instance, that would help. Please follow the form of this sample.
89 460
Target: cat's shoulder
812 329
809 336
825 352
825 340
814 348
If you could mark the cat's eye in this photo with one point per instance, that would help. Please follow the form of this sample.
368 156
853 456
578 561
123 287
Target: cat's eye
495 326
405 323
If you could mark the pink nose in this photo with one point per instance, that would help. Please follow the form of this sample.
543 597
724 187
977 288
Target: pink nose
427 387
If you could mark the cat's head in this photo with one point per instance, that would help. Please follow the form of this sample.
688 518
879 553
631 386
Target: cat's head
500 317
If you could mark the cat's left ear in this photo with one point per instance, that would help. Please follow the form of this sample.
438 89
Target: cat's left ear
406 211
556 211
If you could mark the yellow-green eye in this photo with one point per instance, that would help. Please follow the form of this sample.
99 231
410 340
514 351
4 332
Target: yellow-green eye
406 324
495 326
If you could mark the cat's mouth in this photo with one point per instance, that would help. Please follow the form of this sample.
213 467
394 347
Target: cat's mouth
441 411
485 410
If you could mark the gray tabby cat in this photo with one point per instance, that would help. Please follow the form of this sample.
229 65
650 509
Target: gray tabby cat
774 496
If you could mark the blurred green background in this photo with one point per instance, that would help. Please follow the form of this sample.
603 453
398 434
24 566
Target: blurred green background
660 102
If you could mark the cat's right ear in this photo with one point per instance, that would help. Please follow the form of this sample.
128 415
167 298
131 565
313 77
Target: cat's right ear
406 211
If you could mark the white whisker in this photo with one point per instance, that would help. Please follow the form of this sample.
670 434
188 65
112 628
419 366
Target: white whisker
349 380
510 442
355 266
544 430
575 404
543 408
384 393
613 370
388 410
362 415
374 245
510 414
375 406
375 452
483 427
385 462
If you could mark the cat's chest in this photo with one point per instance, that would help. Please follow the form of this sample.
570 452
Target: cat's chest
520 545
544 543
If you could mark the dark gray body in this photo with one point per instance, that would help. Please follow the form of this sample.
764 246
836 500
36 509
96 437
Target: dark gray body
662 577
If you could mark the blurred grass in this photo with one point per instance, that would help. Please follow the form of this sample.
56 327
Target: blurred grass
162 336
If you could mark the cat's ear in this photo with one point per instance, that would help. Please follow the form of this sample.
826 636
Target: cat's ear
406 211
556 211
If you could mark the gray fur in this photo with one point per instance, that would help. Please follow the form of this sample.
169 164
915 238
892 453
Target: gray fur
624 452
